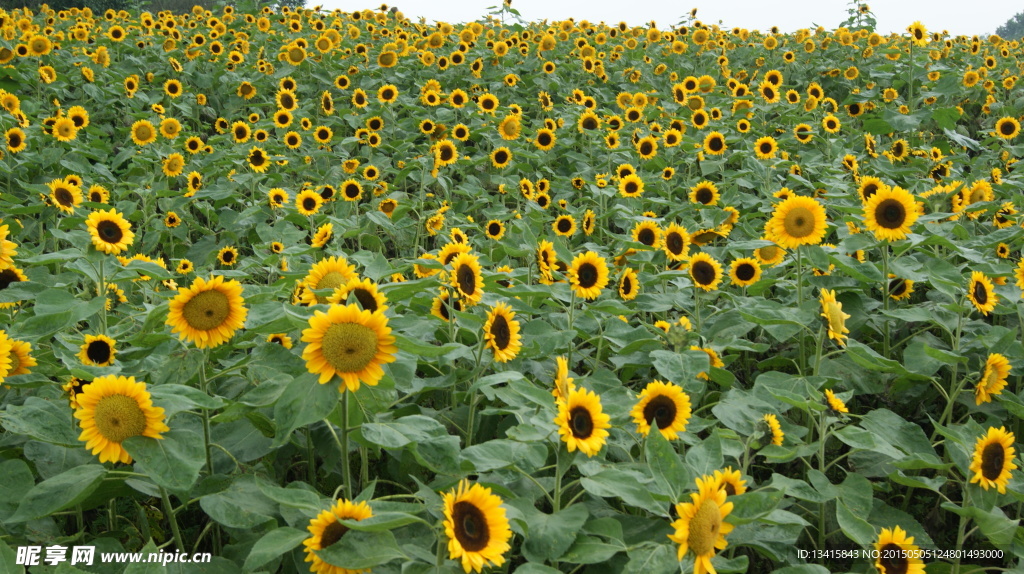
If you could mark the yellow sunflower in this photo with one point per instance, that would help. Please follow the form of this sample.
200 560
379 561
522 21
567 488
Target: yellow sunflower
676 242
775 429
501 332
15 357
326 530
665 405
588 275
227 256
114 408
143 132
832 311
705 193
65 196
466 278
731 481
564 385
331 273
349 342
208 312
8 249
648 233
993 459
701 526
797 221
629 286
981 293
705 271
581 424
477 528
993 380
110 231
98 351
1007 128
897 553
835 403
890 212
745 271
364 291
308 202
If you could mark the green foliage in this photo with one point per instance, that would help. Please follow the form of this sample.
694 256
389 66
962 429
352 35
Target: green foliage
1012 29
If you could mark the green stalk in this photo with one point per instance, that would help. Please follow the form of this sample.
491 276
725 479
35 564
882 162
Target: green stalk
169 511
203 386
344 446
885 299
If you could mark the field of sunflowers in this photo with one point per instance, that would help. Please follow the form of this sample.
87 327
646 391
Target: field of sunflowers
344 291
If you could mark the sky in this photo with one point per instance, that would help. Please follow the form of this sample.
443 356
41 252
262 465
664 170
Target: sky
977 17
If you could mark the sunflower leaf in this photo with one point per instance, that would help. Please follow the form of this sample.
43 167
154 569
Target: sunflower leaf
172 462
62 491
275 543
360 550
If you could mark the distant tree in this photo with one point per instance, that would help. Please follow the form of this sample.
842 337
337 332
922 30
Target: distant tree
1013 29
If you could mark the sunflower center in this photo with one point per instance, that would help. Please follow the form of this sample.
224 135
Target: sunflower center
992 459
207 310
836 322
980 293
332 533
646 236
500 332
587 275
1006 128
64 197
627 286
703 272
144 133
766 148
897 287
8 276
892 559
366 299
745 272
704 527
716 144
109 231
331 280
660 409
799 222
494 229
119 417
349 347
466 278
470 526
890 214
674 242
98 352
564 225
581 423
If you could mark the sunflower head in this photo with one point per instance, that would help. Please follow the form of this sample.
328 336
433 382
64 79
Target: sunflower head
114 408
701 526
350 343
208 313
832 311
897 553
477 528
581 423
797 221
993 459
993 379
664 405
981 293
588 275
325 530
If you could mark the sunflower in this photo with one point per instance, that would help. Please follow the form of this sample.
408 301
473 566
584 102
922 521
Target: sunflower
889 213
993 459
322 236
705 193
663 404
545 139
676 242
832 311
745 271
466 278
349 342
17 359
8 249
797 221
477 529
589 218
766 147
495 229
227 256
1007 128
258 160
993 380
629 287
714 144
731 481
899 288
308 202
65 196
981 293
365 293
15 140
869 186
64 129
897 553
501 333
97 351
705 271
113 408
581 423
631 186
331 273
110 231
351 190
326 530
701 526
588 275
835 403
208 312
143 132
564 225
775 429
647 233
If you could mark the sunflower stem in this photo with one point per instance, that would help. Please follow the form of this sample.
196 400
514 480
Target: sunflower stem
345 467
822 439
572 342
169 511
100 290
961 531
800 302
203 386
885 300
557 502
310 460
817 354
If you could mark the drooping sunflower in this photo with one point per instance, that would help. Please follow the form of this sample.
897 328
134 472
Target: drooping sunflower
365 293
466 278
981 293
775 429
664 405
705 271
207 313
326 530
280 339
745 271
477 528
98 351
331 273
629 286
993 379
114 408
588 275
501 333
581 422
890 212
835 403
564 385
676 242
797 221
701 526
350 343
993 459
110 231
832 311
897 553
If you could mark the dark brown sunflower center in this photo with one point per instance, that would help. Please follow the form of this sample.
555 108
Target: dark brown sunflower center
646 148
466 278
494 228
897 287
892 559
366 299
119 417
869 190
703 272
745 272
544 139
660 410
589 123
631 187
980 293
646 236
891 214
109 231
992 458
64 197
98 352
587 275
1006 128
627 285
332 533
8 276
351 191
447 152
674 242
766 148
581 423
564 225
387 94
716 144
501 333
705 196
207 310
257 158
309 204
471 528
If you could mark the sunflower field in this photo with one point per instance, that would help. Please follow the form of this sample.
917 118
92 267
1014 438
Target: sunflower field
337 292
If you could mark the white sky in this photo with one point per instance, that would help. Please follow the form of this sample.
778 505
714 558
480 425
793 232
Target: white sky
976 17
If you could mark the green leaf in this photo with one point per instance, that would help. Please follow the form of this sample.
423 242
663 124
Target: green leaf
360 550
993 523
400 432
552 534
616 483
172 462
17 481
667 469
706 457
382 521
502 453
662 559
146 567
62 491
242 505
855 527
8 557
42 420
590 550
303 402
275 543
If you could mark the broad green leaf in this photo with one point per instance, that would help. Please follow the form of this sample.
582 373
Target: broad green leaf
360 550
304 401
552 534
274 544
173 461
42 420
62 491
993 523
665 465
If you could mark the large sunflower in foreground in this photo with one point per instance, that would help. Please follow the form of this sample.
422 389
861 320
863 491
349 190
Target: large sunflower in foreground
349 342
993 459
581 423
207 313
502 333
982 293
476 526
797 221
889 213
701 526
993 380
588 275
114 408
897 553
664 405
110 231
326 530
832 311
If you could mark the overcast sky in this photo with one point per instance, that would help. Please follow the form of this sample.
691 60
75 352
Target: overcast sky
958 17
